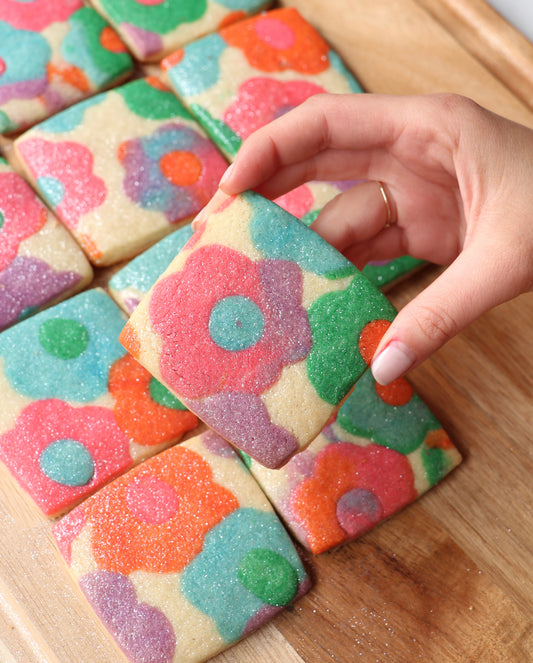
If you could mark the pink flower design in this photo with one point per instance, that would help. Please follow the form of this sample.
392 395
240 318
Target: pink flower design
351 489
60 454
260 100
38 14
21 215
247 318
63 172
297 202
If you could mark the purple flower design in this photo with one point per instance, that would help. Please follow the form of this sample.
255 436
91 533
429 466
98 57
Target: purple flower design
28 283
244 419
176 171
141 630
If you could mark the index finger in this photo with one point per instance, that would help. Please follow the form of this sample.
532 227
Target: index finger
323 123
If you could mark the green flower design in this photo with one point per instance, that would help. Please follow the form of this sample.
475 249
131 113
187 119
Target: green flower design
337 319
160 18
82 47
437 463
145 99
399 427
226 139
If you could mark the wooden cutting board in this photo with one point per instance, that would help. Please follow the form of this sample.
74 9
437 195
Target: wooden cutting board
498 45
448 579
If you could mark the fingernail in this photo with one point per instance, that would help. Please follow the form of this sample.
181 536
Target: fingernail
226 174
392 362
196 221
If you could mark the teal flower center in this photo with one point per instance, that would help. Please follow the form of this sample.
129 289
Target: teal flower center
67 462
52 189
236 323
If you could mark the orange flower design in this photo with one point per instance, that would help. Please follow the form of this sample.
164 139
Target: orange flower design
351 489
155 517
369 338
398 392
279 40
130 340
438 439
146 411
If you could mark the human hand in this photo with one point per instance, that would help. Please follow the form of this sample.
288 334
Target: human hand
459 181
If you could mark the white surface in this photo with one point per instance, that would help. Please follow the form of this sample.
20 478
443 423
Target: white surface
518 13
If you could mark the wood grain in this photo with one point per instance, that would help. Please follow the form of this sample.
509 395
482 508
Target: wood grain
448 579
491 39
397 47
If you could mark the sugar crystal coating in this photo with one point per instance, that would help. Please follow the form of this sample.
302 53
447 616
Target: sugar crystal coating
77 410
122 169
53 54
154 29
40 264
183 555
255 326
383 449
129 285
247 74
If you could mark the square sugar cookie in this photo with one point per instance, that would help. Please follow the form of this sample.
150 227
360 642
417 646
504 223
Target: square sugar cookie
154 29
52 54
76 409
255 327
382 451
129 285
182 556
40 263
122 169
242 77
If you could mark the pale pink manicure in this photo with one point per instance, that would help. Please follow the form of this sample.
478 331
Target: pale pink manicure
226 174
392 362
197 220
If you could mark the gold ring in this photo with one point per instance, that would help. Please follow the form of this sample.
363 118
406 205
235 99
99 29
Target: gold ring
388 222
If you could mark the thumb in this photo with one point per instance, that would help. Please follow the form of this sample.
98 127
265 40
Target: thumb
475 282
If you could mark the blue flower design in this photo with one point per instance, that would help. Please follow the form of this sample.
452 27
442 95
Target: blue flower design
234 587
198 70
283 237
72 117
24 55
67 350
141 273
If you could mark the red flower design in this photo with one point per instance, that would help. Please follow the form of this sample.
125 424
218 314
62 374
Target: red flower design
47 422
64 174
38 14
